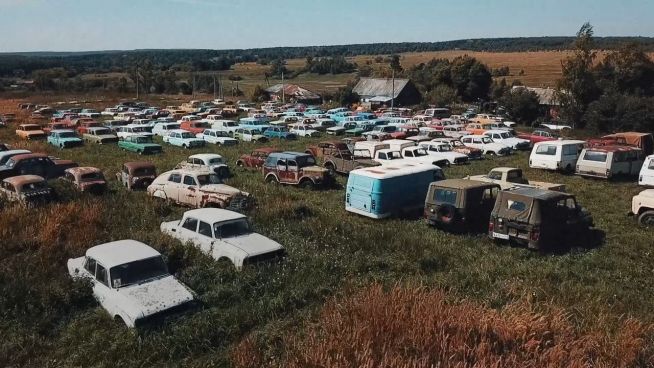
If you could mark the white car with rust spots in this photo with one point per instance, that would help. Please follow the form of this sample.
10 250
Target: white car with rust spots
198 188
224 235
131 282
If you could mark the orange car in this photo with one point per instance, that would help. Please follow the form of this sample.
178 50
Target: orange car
478 128
30 131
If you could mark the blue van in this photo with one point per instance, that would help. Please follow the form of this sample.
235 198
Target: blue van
383 191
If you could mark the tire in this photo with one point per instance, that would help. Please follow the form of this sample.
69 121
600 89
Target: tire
646 218
568 169
223 172
446 214
491 153
332 169
240 163
307 184
184 146
271 179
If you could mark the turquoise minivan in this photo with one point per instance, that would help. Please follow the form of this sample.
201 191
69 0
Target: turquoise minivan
383 191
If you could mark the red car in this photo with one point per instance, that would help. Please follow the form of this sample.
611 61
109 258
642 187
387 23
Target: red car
84 126
256 158
538 136
194 127
59 125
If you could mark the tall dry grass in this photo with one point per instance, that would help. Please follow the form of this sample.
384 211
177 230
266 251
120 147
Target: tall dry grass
416 327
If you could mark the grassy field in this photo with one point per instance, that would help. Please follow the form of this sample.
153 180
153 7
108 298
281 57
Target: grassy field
48 320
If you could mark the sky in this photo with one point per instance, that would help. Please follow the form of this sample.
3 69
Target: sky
86 25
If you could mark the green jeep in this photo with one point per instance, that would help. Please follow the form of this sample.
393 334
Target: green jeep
460 205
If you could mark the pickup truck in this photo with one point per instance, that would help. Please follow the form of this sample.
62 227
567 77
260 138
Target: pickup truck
538 136
511 178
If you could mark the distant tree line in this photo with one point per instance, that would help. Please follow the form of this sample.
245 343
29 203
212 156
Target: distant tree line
614 94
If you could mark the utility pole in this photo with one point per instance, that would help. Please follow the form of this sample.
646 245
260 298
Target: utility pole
393 93
137 80
220 83
283 95
214 86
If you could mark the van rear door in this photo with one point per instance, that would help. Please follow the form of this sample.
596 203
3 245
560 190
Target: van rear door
359 192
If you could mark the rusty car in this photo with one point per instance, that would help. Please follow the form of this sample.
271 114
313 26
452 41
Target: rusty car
86 179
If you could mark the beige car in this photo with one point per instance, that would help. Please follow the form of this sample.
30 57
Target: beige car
26 189
30 131
199 189
642 205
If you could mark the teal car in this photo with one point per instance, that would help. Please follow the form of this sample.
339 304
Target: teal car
358 130
139 144
64 138
183 138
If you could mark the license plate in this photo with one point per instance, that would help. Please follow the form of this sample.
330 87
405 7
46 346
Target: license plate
500 236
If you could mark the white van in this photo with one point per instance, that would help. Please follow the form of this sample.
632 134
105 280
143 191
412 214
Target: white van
646 176
556 155
368 149
609 161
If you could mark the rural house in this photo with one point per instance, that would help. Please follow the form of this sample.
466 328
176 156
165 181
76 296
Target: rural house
549 105
380 91
294 93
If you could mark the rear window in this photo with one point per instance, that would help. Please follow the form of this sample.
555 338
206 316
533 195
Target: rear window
546 149
595 156
445 196
651 165
514 205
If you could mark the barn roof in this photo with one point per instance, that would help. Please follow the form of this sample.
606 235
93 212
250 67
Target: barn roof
378 87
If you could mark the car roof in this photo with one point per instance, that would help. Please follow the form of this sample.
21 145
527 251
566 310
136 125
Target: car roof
178 131
211 215
62 131
505 168
28 155
207 156
612 148
536 193
289 154
560 142
138 164
13 152
464 184
120 252
394 170
23 179
83 170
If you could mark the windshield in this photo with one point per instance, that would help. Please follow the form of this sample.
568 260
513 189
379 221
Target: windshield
102 131
444 148
231 124
31 127
208 179
67 135
487 140
144 171
217 160
505 135
33 187
187 135
420 152
394 155
231 229
92 176
143 139
138 272
306 161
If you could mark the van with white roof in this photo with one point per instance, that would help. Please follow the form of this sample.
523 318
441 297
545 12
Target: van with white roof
556 155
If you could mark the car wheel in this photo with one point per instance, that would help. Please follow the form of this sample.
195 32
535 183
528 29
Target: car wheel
330 166
646 218
239 164
184 146
491 153
306 184
61 146
139 152
271 179
568 169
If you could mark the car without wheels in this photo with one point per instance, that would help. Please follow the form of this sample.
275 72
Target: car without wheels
256 158
224 235
460 205
86 179
540 219
131 282
26 189
198 189
137 175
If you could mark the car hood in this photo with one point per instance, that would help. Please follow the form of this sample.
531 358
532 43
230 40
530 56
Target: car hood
106 136
221 189
69 139
155 296
314 170
514 141
253 244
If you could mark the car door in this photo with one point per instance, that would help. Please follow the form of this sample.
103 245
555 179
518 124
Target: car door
188 193
101 287
646 176
187 230
173 186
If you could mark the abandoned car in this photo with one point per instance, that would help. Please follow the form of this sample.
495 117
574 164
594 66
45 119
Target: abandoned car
256 158
540 219
295 168
137 175
86 179
26 189
198 189
460 205
642 206
224 235
206 161
131 282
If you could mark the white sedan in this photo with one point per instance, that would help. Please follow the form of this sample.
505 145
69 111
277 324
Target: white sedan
215 136
304 131
224 235
131 282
